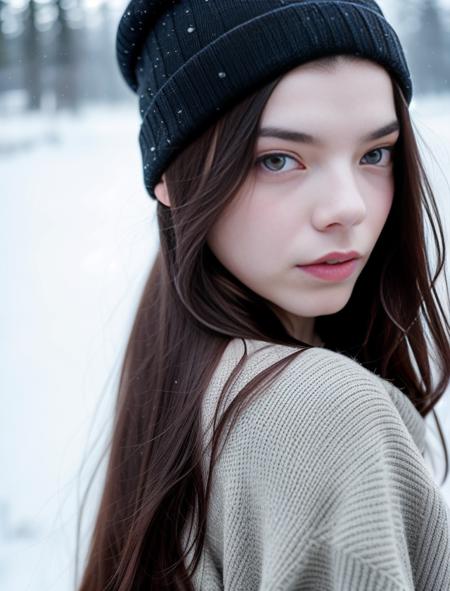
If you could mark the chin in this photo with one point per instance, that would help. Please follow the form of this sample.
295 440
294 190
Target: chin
318 308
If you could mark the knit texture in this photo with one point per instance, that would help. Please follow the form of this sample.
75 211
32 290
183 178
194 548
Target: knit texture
192 60
322 484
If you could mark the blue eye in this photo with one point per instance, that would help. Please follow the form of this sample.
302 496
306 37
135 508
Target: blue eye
277 159
378 151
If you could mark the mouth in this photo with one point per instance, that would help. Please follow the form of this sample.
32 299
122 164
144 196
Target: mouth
335 257
338 271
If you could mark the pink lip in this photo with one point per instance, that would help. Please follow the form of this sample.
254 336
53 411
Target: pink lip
341 256
337 272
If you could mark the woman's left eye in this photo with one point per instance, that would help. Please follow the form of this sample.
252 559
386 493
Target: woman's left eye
376 155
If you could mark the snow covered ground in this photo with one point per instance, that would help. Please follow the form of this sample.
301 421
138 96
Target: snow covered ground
78 236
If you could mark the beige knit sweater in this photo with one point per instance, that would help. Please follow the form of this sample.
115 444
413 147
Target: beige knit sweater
322 485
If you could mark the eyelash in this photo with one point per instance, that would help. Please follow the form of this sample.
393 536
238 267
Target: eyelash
390 149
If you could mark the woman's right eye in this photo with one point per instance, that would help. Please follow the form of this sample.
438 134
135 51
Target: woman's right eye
276 162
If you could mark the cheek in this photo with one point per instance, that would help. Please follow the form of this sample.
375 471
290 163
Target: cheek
381 206
246 239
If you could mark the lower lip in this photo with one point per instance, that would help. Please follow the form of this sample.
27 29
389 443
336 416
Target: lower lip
337 272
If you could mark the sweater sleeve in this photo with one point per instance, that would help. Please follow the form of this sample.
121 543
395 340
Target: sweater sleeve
320 486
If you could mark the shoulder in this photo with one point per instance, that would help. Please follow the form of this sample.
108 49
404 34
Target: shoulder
321 400
315 376
334 369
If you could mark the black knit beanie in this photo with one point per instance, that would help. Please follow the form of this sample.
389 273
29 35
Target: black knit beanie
191 60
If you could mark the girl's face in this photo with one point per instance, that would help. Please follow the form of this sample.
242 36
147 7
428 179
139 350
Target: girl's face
319 184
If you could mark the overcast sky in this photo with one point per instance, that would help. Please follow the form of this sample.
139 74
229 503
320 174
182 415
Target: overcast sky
390 6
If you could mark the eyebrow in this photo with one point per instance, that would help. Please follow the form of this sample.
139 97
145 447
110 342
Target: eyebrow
305 138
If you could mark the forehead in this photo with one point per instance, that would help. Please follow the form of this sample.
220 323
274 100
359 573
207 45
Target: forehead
347 94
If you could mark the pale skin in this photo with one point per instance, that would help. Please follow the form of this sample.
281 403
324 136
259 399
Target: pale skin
306 200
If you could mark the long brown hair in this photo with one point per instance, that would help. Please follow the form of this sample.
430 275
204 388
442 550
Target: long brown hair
191 307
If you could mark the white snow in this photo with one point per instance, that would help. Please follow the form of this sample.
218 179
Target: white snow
78 236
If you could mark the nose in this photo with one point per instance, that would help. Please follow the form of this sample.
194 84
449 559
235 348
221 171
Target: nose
340 200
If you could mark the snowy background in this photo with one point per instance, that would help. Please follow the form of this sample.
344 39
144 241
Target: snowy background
78 237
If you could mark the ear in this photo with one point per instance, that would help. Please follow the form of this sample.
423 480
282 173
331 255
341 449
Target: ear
161 192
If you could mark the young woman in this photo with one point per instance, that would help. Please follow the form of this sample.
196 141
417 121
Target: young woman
269 430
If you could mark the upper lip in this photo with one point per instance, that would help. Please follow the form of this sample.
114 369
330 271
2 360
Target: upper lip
340 256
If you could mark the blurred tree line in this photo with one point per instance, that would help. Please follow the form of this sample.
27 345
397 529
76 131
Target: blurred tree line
60 53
